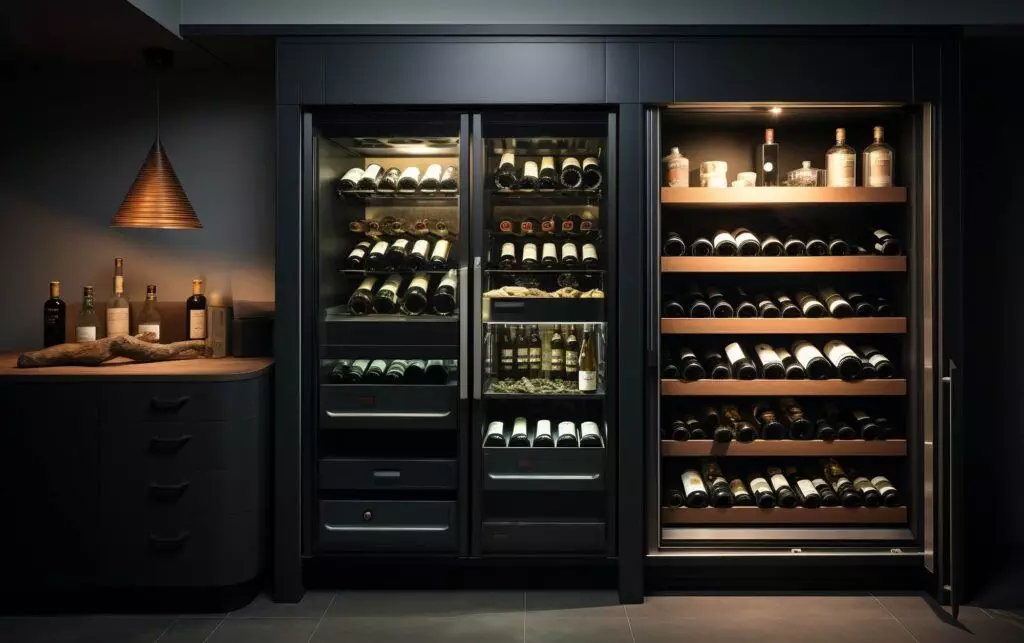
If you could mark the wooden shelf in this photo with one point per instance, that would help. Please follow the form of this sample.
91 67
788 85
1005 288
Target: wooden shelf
780 196
697 448
783 387
796 326
856 263
778 516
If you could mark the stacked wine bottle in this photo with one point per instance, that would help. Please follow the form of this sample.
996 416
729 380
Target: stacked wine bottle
806 361
374 178
385 371
744 243
588 434
714 302
572 176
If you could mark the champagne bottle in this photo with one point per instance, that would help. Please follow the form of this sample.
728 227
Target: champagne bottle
786 305
772 247
674 246
571 176
505 176
387 295
356 257
744 307
766 308
529 180
816 247
883 367
431 178
361 301
415 300
780 485
409 181
591 173
547 179
770 367
519 437
702 247
747 244
590 435
867 490
695 494
861 306
890 496
725 244
439 255
356 372
389 182
696 305
449 179
542 436
824 489
689 367
716 484
866 427
567 436
844 431
768 423
378 259
350 180
588 363
716 366
495 436
743 430
371 177
809 304
817 367
763 496
806 493
846 362
740 496
841 484
742 367
800 428
837 306
794 370
794 247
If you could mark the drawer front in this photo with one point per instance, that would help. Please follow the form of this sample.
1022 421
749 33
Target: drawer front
356 473
181 401
554 469
358 406
543 537
125 500
166 448
388 525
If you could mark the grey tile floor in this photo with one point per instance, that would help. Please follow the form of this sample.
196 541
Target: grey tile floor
543 617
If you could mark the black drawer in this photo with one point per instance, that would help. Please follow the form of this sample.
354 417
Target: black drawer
166 448
543 469
181 401
390 330
356 473
541 309
388 525
399 406
543 537
127 497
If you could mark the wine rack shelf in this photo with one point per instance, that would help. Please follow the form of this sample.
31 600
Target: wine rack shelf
780 196
799 325
860 263
835 448
778 516
402 197
783 387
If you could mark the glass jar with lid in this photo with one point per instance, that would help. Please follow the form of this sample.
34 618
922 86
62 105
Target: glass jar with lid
806 176
677 169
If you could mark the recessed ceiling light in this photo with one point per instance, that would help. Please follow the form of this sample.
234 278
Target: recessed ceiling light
776 110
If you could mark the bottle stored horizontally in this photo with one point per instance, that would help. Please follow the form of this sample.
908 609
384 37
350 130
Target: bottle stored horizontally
883 367
725 244
396 370
570 258
810 306
436 372
495 435
878 162
716 366
588 362
844 430
884 242
547 179
841 484
740 495
507 258
529 259
505 176
375 371
389 182
416 371
54 317
567 436
149 317
695 303
784 493
721 431
669 368
431 180
449 179
87 322
386 297
837 246
883 307
747 244
443 301
414 301
816 365
824 489
590 435
702 247
118 307
768 424
690 369
674 498
841 163
846 362
742 430
867 490
592 176
716 484
770 366
371 177
823 430
571 175
862 307
519 437
766 307
744 307
763 495
806 493
794 369
361 301
397 252
800 428
542 434
357 257
673 308
530 178
890 496
837 306
866 427
340 370
742 367
549 255
694 493
794 247
772 247
720 307
350 179
589 256
786 306
816 247
410 179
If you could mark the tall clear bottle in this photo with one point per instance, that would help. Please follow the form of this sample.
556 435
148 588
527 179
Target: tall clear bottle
878 162
841 163
117 305
149 318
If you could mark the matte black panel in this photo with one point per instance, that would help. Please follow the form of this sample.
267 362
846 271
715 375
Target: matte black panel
388 474
300 74
180 401
543 537
384 406
655 73
388 525
622 61
927 71
543 469
405 73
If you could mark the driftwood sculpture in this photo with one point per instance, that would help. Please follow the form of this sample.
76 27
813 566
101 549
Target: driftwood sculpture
141 348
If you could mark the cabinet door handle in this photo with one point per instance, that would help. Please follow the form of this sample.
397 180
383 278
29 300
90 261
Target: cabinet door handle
385 414
387 474
169 405
330 527
544 476
168 544
168 492
168 445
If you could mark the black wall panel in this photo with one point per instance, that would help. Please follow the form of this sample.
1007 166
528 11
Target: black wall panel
621 65
300 74
656 74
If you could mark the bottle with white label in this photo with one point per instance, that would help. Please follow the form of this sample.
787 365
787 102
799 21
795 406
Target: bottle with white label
588 362
824 489
361 301
816 365
351 179
590 435
443 299
117 305
549 255
529 180
810 306
410 179
849 496
771 367
431 178
716 484
867 490
495 435
547 180
783 491
418 256
439 255
507 259
846 362
567 436
357 257
747 243
149 317
794 370
589 256
529 259
740 495
837 306
519 437
389 183
386 298
763 495
890 496
694 492
542 435
883 367
724 244
378 256
571 176
87 322
841 163
569 257
449 179
195 312
742 367
397 253
371 177
878 162
805 492
591 173
884 242
414 301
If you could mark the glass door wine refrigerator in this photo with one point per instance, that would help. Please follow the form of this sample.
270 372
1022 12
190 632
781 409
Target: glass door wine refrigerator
797 365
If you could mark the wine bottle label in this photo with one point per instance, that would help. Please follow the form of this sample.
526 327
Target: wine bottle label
496 427
433 172
881 235
566 428
840 483
196 324
746 236
390 287
360 365
549 251
863 485
806 487
358 252
372 170
588 380
118 284
353 175
420 280
838 351
723 237
805 352
760 485
450 280
523 356
529 252
378 365
547 163
842 170
530 169
809 303
543 427
519 426
882 484
150 328
692 482
85 333
411 172
508 250
738 488
572 361
589 252
400 244
879 167
422 247
535 357
779 481
590 162
568 250
557 359
508 158
508 359
379 248
117 321
368 283
734 352
819 483
767 354
570 161
589 428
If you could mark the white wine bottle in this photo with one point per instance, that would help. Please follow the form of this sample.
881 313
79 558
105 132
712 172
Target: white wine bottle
588 363
495 436
542 436
117 305
519 437
567 436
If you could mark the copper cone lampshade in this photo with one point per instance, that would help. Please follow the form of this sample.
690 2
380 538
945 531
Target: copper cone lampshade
156 198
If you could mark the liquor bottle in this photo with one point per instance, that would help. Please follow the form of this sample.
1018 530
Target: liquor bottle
747 245
767 160
743 431
340 370
882 306
522 352
414 301
549 256
117 305
865 425
557 354
443 301
725 244
824 489
744 307
350 180
763 496
786 305
529 259
386 297
772 247
740 496
375 371
841 163
419 257
695 494
371 177
149 317
890 496
590 435
841 484
507 260
861 306
55 317
505 177
809 304
867 490
377 259
769 425
794 369
356 258
547 179
689 366
396 371
569 257
589 256
885 243
572 355
529 179
550 224
571 176
389 182
878 162
674 498
519 437
673 308
770 367
674 246
824 431
695 304
844 430
436 372
542 435
766 307
536 365
719 306
431 178
716 366
588 362
742 367
717 485
702 247
816 365
449 179
87 322
416 371
567 436
816 247
805 492
837 306
495 435
397 252
794 247
361 301
591 173
800 428
845 360
787 498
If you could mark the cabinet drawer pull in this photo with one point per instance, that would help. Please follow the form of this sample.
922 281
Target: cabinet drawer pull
168 445
168 544
329 527
169 405
387 474
167 492
543 476
369 414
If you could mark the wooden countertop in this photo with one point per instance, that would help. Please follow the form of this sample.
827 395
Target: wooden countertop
222 369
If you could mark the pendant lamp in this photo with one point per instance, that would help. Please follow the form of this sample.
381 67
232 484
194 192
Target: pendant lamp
156 198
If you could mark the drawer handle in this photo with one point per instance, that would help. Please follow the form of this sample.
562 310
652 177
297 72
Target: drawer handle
434 528
169 405
387 474
544 476
167 492
167 544
365 414
168 445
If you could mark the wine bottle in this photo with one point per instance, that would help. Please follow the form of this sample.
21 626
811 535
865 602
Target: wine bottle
149 316
883 307
669 368
409 181
719 306
356 371
507 354
589 256
439 255
418 257
768 424
841 484
837 246
680 429
816 247
350 180
588 362
87 323
542 435
890 496
519 437
389 182
375 372
716 484
536 361
844 430
396 370
744 307
885 243
572 355
809 304
431 178
529 258
522 344
55 317
397 253
550 224
377 259
371 177
800 428
571 176
567 436
702 247
695 304
356 257
794 247
436 372
743 431
763 496
841 163
674 246
824 489
770 367
725 244
386 297
747 244
528 181
766 308
495 435
415 300
118 306
340 370
837 306
716 366
883 367
856 249
415 371
861 306
721 432
794 369
507 259
590 435
557 363
846 362
547 179
780 485
742 367
673 308
449 179
505 176
805 492
824 431
674 499
711 420
772 247
867 490
865 425
786 305
694 493
816 365
740 496
689 366
591 173
195 310
878 162
886 430
549 255
569 257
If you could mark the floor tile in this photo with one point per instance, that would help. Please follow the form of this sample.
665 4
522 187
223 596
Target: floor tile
575 604
425 604
189 630
544 628
312 605
922 605
727 627
83 629
264 630
931 629
747 606
480 628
